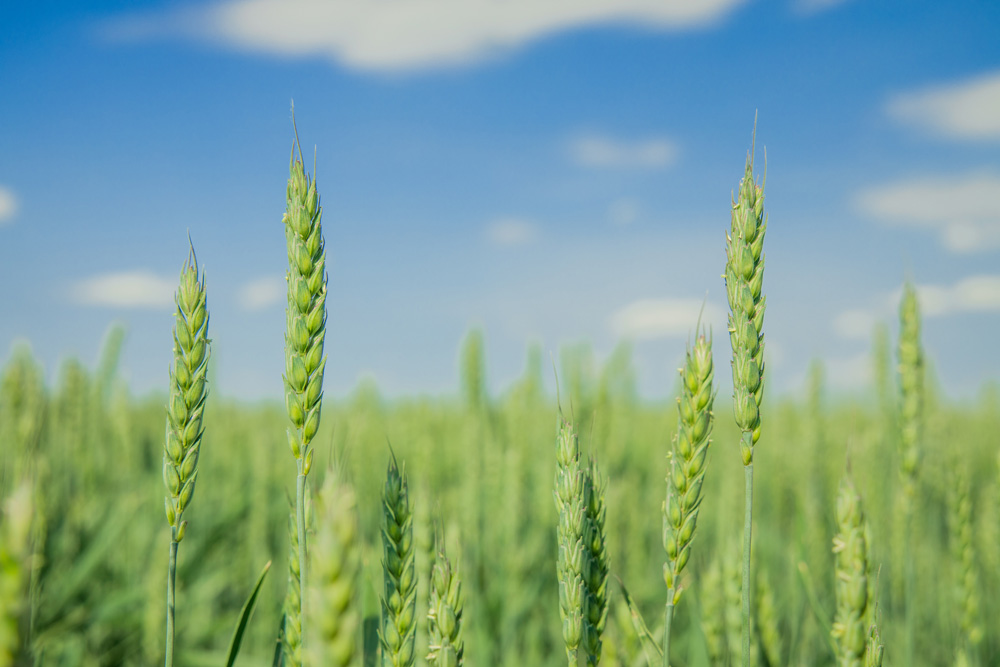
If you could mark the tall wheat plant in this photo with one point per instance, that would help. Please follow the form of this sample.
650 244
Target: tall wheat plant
688 462
744 280
185 410
304 336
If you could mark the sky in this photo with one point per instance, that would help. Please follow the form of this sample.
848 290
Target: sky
552 171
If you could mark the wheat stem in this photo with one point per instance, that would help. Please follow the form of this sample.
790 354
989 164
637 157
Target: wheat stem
745 589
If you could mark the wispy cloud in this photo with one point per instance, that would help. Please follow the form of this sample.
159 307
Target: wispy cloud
405 34
262 293
594 150
963 210
973 294
125 289
8 205
511 232
968 109
649 319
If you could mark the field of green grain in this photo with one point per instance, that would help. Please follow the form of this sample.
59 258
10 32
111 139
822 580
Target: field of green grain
908 545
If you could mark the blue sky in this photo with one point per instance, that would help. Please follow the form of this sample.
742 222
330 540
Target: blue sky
550 170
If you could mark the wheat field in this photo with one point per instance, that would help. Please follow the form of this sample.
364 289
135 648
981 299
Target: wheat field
897 559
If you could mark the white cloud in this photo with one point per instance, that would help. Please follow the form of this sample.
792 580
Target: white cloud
968 109
8 205
400 34
623 211
973 294
649 319
599 151
511 232
964 210
261 293
125 289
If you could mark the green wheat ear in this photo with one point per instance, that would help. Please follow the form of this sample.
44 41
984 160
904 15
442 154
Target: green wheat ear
446 648
744 282
851 550
306 313
570 496
398 633
688 463
188 391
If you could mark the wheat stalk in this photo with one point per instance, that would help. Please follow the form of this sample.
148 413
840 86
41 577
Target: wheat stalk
305 333
185 411
572 506
688 463
445 645
291 629
744 281
398 632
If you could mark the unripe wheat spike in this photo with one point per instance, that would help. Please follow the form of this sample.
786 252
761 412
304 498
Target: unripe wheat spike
851 551
688 463
446 648
399 602
572 526
332 600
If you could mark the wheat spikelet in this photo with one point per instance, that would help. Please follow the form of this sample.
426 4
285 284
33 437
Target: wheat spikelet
398 632
446 647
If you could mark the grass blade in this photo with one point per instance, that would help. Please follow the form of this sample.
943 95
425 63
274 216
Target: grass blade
245 614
